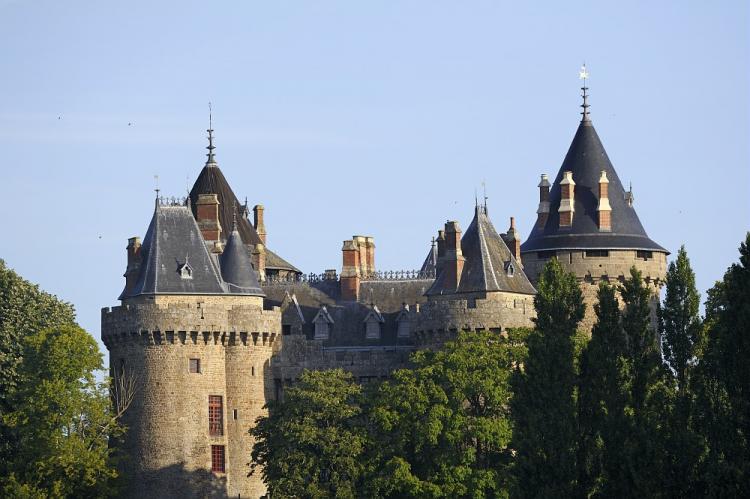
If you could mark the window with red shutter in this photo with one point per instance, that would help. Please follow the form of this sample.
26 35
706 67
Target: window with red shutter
215 416
217 458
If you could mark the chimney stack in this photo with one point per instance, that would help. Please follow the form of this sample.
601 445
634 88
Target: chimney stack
208 216
567 199
260 227
370 242
134 263
350 271
513 240
440 253
454 259
361 243
604 209
260 261
543 210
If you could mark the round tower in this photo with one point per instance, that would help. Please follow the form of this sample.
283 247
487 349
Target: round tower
190 349
480 285
588 222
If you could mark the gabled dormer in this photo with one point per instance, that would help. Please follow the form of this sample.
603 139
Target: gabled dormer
373 323
404 322
323 323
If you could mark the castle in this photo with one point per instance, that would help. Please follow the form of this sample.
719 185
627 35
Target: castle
213 324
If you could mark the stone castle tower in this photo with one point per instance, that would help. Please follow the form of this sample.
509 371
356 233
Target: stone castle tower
588 222
213 324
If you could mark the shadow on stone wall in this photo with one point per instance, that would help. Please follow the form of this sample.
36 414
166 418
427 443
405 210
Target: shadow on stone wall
177 482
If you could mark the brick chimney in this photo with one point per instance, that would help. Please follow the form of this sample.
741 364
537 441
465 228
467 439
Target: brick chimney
513 240
567 199
370 242
260 261
440 253
208 216
260 227
350 271
604 209
361 243
134 263
543 210
454 259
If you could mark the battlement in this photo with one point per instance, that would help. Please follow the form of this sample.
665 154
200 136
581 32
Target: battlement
191 323
440 319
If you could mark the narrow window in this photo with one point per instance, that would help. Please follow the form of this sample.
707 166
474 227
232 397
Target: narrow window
645 255
597 253
215 416
234 414
217 458
252 370
195 365
286 329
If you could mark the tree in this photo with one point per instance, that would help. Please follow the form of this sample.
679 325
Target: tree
24 310
63 421
605 420
679 322
311 443
681 330
651 392
544 405
722 384
443 428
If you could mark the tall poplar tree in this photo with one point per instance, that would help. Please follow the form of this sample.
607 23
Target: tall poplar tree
681 329
605 421
651 394
544 406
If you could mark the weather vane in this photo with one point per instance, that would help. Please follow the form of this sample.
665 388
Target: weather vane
583 73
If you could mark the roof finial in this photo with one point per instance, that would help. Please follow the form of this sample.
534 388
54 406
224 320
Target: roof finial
211 159
583 74
156 188
484 193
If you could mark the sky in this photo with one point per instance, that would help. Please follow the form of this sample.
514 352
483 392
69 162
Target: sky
369 117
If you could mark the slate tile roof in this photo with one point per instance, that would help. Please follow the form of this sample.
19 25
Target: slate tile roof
586 158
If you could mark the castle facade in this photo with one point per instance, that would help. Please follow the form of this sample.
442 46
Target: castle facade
213 324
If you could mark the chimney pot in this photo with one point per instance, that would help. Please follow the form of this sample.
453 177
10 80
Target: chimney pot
208 216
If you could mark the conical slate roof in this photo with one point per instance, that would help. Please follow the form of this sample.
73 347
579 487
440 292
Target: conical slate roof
586 158
212 181
430 262
174 259
236 268
489 264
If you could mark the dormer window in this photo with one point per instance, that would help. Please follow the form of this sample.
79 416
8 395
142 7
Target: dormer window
322 321
510 269
373 321
185 271
404 323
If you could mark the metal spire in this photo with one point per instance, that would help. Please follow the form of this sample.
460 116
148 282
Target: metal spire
583 74
211 160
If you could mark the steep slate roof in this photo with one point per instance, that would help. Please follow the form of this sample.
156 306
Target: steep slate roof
586 158
212 181
236 267
430 262
487 259
172 240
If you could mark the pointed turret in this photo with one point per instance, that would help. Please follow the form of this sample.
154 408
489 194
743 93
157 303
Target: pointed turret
488 264
236 267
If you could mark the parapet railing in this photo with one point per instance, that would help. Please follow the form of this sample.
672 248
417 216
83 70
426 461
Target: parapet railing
389 275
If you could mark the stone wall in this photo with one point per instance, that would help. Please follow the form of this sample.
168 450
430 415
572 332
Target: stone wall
442 317
168 440
590 271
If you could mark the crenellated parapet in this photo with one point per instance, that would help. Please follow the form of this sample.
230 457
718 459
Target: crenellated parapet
441 319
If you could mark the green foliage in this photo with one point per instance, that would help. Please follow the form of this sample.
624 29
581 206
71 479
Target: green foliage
24 310
62 418
544 406
679 322
443 428
722 384
311 444
605 417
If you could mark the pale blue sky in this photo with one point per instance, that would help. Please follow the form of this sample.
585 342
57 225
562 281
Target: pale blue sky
344 118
